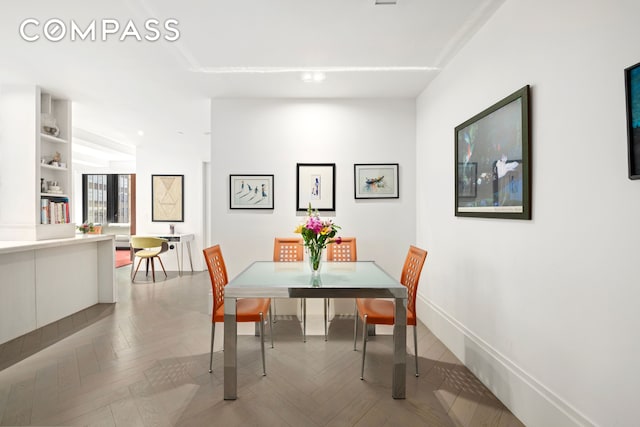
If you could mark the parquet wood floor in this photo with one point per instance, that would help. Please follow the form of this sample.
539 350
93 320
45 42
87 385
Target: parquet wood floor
144 362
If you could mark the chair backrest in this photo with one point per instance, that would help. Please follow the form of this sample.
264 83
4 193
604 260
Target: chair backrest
411 275
217 274
141 242
345 251
288 249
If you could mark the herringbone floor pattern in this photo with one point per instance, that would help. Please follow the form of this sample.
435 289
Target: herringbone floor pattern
144 362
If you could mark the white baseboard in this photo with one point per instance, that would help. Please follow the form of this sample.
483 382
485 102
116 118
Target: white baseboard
528 399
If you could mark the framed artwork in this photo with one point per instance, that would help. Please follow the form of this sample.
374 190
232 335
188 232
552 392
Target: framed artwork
467 179
632 91
251 191
167 198
315 184
376 181
492 161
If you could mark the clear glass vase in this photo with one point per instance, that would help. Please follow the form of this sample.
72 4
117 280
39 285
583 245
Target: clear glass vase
315 260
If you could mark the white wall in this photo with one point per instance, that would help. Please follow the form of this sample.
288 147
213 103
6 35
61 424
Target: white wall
172 159
257 136
543 311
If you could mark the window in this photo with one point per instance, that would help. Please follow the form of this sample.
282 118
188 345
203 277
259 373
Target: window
105 198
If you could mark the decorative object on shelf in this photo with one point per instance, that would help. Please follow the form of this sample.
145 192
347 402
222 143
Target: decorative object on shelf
492 161
50 125
167 198
43 186
251 192
376 181
85 227
317 234
55 161
315 183
632 86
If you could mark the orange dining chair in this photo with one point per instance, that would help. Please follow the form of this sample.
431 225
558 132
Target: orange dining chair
247 309
381 312
345 251
290 249
149 249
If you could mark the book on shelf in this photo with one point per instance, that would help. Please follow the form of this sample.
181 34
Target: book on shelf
54 210
44 211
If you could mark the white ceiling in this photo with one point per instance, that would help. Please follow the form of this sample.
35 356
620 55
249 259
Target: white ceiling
163 88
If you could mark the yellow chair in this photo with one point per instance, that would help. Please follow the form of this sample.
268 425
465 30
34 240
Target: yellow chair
382 312
345 251
148 248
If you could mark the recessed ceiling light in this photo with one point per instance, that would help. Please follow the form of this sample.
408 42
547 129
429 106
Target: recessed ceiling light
313 77
140 133
379 2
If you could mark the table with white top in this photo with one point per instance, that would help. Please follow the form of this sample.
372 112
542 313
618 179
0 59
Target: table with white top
182 239
267 279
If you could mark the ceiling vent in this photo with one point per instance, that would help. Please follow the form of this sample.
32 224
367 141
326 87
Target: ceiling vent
381 2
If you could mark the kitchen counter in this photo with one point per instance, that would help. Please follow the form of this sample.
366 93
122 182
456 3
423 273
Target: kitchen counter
43 281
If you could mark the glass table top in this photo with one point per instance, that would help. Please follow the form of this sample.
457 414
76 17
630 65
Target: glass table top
294 280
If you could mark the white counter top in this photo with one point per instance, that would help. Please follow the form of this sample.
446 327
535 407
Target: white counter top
7 247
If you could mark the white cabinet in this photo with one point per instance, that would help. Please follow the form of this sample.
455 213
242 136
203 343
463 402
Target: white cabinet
36 179
42 282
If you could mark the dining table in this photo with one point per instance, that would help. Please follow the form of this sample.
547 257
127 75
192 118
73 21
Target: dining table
360 279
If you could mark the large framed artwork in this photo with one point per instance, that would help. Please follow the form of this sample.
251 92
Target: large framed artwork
493 162
167 198
251 191
376 181
632 90
315 184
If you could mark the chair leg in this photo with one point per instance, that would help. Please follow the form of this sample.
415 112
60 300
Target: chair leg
264 368
326 320
273 303
355 326
213 335
271 326
415 345
136 272
364 344
304 320
153 270
162 265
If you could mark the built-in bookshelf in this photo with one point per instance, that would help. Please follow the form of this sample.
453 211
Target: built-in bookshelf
35 145
54 142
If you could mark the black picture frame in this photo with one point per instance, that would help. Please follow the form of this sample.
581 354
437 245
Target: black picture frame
494 148
376 181
315 184
167 198
251 191
632 98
